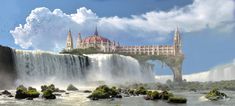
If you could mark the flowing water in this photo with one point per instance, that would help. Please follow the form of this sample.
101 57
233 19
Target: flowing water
79 99
36 68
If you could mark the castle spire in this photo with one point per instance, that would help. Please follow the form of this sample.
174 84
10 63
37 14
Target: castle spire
96 31
177 41
69 42
79 40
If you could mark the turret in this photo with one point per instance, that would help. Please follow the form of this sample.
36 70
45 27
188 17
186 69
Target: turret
79 41
96 31
69 42
177 42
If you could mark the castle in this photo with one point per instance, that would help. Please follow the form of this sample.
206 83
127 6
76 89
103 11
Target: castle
103 44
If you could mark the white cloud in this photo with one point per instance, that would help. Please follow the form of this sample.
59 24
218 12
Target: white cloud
47 30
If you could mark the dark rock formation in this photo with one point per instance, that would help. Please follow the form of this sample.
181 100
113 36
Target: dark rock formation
71 88
7 68
5 92
175 99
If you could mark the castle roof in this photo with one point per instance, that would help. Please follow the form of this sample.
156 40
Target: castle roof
95 38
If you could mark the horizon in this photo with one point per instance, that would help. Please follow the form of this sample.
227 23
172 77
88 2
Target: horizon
207 30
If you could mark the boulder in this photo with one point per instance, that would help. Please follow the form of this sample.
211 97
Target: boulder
215 95
48 94
87 91
29 98
165 95
5 92
10 96
175 99
21 92
32 92
153 95
104 92
71 88
141 91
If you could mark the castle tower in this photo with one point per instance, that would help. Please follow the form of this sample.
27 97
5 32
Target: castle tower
69 42
79 41
177 42
96 31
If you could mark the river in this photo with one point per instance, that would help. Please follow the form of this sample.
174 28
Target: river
79 99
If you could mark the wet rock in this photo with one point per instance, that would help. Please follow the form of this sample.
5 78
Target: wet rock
153 95
215 95
21 92
71 88
147 98
141 91
67 93
165 95
5 92
175 99
32 92
104 92
87 91
10 96
48 94
118 96
58 90
56 94
29 98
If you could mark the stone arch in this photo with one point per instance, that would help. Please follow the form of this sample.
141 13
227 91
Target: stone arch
173 62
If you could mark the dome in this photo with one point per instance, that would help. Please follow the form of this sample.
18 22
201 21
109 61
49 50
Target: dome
95 38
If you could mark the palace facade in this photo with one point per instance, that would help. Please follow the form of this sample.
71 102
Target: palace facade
103 44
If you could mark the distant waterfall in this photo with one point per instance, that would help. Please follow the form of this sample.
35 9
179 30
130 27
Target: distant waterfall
37 67
218 73
113 68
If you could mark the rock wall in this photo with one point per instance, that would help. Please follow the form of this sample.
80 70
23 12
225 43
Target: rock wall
7 68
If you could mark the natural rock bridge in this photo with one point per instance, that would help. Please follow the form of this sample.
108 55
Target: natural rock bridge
174 62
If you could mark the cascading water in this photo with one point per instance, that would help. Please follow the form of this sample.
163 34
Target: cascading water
113 68
37 68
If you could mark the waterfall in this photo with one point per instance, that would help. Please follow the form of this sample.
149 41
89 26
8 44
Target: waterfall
113 68
37 68
218 73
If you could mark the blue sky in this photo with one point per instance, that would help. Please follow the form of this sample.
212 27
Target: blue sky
208 40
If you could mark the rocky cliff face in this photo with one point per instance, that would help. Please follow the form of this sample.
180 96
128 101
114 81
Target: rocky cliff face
7 68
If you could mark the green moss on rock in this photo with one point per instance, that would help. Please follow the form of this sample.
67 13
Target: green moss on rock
22 92
104 92
175 99
48 94
141 91
215 95
152 95
165 95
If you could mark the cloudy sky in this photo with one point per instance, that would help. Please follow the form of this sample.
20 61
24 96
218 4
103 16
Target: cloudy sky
207 26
